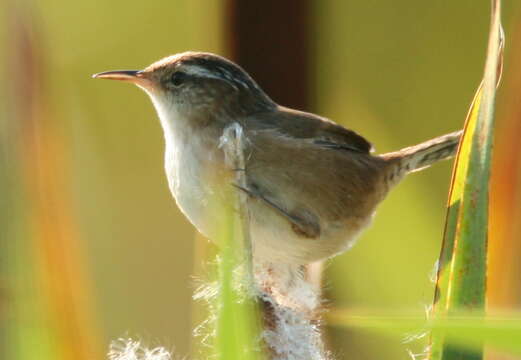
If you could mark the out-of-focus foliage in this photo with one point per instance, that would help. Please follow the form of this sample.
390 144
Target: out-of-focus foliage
467 332
46 303
504 288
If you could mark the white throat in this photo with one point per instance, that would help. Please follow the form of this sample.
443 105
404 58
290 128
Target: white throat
168 117
187 159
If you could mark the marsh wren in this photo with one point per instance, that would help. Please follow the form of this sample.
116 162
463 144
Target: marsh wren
313 185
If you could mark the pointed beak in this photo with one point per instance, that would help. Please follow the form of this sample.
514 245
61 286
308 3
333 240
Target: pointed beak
137 77
122 75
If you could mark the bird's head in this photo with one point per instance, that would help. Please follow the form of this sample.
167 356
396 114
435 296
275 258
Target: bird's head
200 86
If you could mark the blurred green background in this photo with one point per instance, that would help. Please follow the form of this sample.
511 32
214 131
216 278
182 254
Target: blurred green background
85 205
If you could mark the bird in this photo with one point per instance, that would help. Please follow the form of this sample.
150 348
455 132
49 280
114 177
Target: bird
312 185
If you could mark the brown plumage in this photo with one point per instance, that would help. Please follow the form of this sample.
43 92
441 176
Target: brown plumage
313 185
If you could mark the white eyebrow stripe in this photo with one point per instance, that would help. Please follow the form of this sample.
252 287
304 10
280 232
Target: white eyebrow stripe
197 70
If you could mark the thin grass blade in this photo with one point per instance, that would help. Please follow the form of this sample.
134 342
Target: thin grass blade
463 330
238 328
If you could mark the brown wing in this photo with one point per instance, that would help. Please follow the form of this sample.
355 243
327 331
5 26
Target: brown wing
302 125
312 182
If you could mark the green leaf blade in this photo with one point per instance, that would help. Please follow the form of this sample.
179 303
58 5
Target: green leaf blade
461 283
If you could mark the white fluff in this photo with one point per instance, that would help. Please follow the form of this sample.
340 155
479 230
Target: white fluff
129 349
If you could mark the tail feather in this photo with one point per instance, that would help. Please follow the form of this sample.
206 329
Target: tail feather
420 156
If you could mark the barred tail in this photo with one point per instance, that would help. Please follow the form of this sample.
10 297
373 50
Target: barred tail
420 156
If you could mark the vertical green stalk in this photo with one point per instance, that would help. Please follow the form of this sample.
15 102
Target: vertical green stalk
237 324
461 283
237 334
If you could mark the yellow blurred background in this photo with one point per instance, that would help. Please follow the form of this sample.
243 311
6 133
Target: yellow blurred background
90 234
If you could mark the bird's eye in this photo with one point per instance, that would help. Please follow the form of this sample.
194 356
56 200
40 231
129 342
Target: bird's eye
178 78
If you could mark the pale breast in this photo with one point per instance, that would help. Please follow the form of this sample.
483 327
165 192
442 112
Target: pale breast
191 169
